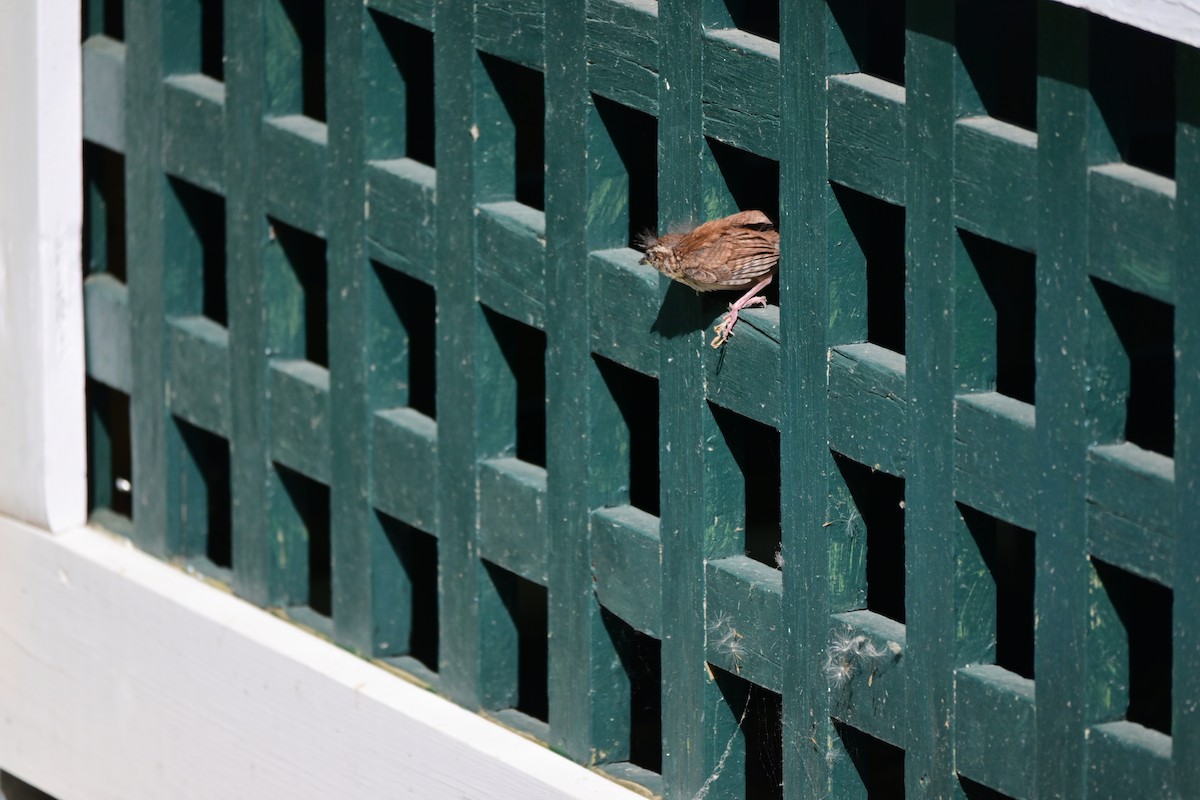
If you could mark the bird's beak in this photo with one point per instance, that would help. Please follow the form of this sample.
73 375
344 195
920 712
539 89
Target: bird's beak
643 260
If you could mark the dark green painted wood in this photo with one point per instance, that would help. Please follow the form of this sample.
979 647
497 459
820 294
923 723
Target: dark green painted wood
1126 760
995 180
300 426
742 609
294 168
689 698
402 189
152 451
1062 436
1131 493
512 30
622 51
994 718
872 696
741 91
867 406
594 728
1132 226
866 135
996 456
198 350
467 609
744 375
805 200
512 516
512 260
626 299
246 242
193 110
404 466
627 566
930 245
358 546
1185 683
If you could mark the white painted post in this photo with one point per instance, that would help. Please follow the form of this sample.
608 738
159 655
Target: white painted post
42 427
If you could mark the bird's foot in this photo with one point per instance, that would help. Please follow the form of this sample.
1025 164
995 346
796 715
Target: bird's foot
724 328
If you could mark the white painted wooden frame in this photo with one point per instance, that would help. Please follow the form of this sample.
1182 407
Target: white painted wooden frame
122 677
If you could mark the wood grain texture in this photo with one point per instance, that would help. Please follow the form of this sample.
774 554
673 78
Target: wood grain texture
866 135
987 697
741 91
995 175
622 52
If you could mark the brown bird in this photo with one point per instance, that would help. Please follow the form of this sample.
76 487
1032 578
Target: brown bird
730 253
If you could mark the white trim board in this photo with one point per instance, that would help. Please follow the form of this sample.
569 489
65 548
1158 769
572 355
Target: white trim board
1174 19
42 448
123 677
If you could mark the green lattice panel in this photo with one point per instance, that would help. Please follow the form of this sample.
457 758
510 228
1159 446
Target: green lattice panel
367 340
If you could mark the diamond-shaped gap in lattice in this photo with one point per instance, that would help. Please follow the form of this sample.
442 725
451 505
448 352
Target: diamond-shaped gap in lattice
401 341
875 511
517 386
625 436
194 31
399 110
295 55
641 664
757 737
748 450
1002 555
194 232
1130 647
622 174
296 283
511 121
1135 93
300 513
868 36
404 593
1133 360
204 510
103 211
997 45
996 308
868 268
110 458
874 766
